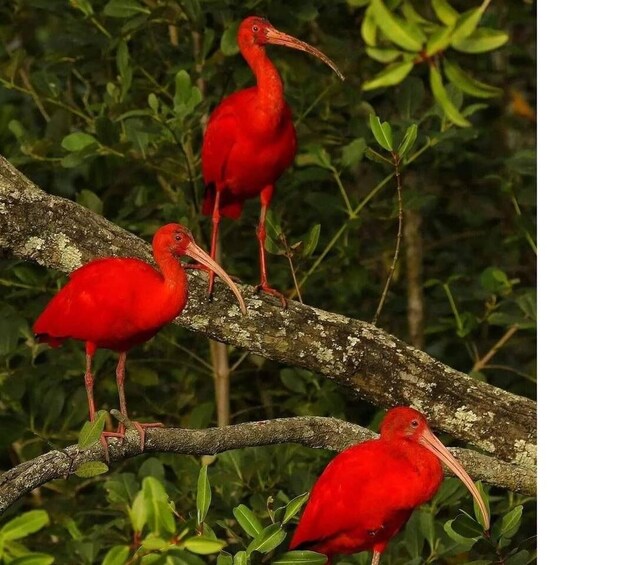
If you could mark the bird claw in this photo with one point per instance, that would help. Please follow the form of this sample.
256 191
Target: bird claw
264 287
125 423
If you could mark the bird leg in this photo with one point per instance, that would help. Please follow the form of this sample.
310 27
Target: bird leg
376 558
216 220
121 429
88 383
261 233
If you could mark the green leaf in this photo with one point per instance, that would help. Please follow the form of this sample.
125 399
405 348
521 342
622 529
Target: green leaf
301 557
204 494
311 241
160 516
445 12
34 559
272 536
520 558
467 84
248 520
476 510
137 513
153 102
124 8
77 141
25 524
369 29
395 28
383 55
382 132
224 558
154 542
90 200
91 469
391 75
92 431
122 58
294 506
508 525
117 555
466 527
409 139
439 40
240 558
375 156
353 152
229 43
482 40
467 22
440 94
202 545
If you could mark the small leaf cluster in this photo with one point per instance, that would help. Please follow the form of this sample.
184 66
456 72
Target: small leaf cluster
404 38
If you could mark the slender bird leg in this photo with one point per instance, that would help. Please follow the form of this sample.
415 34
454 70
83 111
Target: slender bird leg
216 220
376 558
88 383
266 196
121 429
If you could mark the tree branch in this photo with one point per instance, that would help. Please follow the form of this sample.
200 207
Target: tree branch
315 432
375 365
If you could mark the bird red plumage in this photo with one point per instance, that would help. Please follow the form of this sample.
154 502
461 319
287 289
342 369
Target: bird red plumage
117 303
250 138
368 492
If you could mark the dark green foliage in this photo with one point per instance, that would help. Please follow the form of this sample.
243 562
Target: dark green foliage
103 102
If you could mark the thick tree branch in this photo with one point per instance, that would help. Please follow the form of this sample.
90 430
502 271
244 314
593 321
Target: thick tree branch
60 234
316 432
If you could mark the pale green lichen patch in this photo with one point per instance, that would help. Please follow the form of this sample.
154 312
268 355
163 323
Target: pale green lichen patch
465 417
32 245
69 257
199 322
526 453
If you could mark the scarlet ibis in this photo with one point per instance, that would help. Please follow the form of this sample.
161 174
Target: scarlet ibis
117 303
368 492
250 138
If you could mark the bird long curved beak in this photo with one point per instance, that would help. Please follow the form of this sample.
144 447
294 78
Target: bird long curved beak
429 441
276 37
194 251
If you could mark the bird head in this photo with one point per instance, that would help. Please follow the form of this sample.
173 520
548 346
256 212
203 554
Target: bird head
178 241
258 31
409 424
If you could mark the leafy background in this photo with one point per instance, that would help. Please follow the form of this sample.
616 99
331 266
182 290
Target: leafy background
105 102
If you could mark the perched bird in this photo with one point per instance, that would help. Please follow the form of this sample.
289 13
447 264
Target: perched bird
368 492
117 303
250 138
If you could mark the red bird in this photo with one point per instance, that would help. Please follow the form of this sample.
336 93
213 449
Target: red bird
118 303
250 138
368 492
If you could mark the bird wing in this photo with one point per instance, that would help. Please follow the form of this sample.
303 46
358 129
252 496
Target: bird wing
364 490
98 300
220 136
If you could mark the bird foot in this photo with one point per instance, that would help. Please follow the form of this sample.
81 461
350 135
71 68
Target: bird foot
125 423
264 287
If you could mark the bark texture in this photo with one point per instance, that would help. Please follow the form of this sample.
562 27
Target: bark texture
316 432
375 365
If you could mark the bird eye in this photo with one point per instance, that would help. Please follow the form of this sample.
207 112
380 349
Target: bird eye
178 237
254 29
415 423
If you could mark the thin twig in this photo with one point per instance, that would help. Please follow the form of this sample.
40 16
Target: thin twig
398 241
481 363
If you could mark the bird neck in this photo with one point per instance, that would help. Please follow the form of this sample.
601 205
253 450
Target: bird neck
427 465
175 282
269 85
